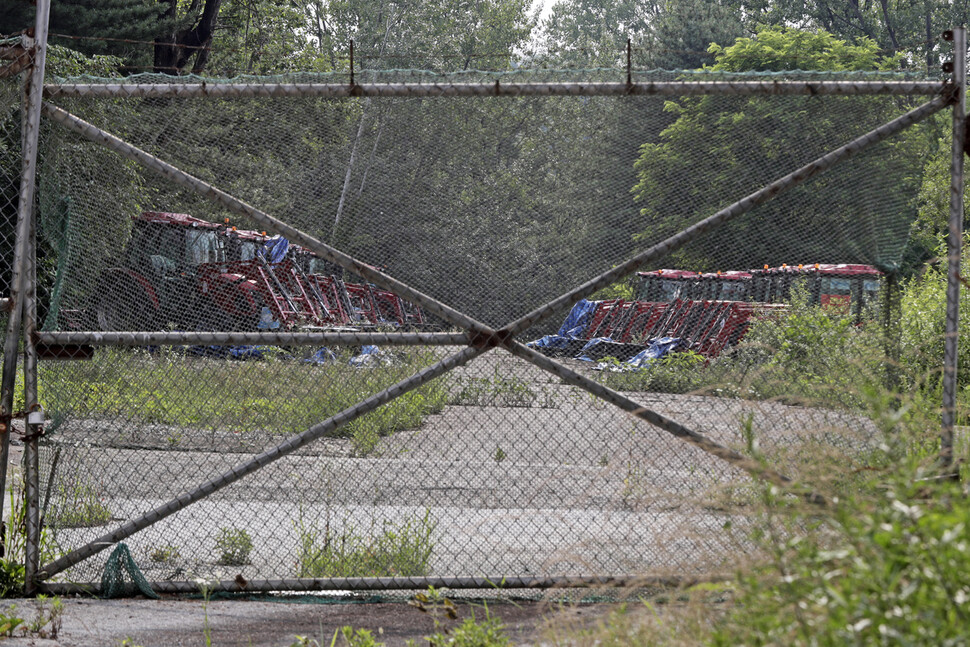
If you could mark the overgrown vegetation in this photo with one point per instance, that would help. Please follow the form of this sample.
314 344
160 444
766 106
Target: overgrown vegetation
275 395
402 548
77 504
499 390
234 545
810 355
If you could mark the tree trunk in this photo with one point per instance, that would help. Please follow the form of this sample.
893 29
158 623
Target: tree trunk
174 51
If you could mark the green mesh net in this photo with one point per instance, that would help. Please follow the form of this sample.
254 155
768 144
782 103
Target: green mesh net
122 577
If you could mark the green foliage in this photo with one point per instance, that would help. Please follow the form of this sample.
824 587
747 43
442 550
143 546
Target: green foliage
499 390
669 35
883 565
345 636
165 554
46 623
717 150
402 548
48 618
12 578
64 62
77 504
924 320
9 622
234 545
279 396
679 372
469 633
784 48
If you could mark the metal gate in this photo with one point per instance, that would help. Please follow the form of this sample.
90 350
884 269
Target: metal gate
362 411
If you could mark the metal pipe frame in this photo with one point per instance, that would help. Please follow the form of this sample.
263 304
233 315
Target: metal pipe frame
954 243
21 283
495 88
96 338
406 583
34 429
739 208
181 178
320 430
481 337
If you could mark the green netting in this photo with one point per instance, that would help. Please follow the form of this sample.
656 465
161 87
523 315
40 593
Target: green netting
122 578
494 206
516 199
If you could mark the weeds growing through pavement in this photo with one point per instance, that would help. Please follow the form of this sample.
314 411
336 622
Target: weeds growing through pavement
402 548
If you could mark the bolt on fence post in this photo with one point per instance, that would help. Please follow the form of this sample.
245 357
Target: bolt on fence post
954 245
34 89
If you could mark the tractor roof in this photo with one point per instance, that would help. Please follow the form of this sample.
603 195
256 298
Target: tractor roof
837 269
177 219
670 274
730 275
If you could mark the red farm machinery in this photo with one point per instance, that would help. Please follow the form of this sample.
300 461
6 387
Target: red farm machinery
183 272
707 312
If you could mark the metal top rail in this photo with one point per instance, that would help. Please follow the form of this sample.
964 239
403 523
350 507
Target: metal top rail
334 90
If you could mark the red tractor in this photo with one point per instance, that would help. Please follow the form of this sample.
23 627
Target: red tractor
843 288
174 273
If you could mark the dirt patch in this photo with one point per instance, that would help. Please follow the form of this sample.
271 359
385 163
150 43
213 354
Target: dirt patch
244 623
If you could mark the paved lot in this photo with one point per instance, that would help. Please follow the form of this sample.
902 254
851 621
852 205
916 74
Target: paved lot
549 484
173 622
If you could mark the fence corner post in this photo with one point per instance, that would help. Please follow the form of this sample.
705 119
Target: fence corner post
954 248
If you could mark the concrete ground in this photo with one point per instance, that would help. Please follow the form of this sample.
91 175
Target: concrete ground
174 621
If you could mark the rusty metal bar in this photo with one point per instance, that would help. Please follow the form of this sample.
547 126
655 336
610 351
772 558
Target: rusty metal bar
495 583
672 427
491 89
294 443
181 178
739 208
954 244
20 281
96 338
34 421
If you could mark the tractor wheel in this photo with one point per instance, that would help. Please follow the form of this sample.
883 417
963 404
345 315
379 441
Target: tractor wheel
123 304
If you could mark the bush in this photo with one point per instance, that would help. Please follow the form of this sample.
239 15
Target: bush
395 549
234 546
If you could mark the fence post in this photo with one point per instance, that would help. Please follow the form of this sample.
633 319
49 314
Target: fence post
954 244
23 285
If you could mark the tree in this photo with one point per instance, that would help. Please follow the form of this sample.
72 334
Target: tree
189 35
911 28
120 28
669 34
720 149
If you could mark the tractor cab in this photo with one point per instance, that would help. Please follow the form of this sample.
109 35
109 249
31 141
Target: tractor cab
666 286
723 286
842 288
172 243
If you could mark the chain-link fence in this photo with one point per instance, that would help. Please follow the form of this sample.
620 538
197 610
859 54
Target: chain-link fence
290 317
13 60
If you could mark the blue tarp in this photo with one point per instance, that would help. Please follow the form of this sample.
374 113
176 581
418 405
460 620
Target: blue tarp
274 250
323 356
657 349
596 341
572 327
368 356
578 318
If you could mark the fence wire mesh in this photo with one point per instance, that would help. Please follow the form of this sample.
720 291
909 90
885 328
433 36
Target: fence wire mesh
492 206
11 99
